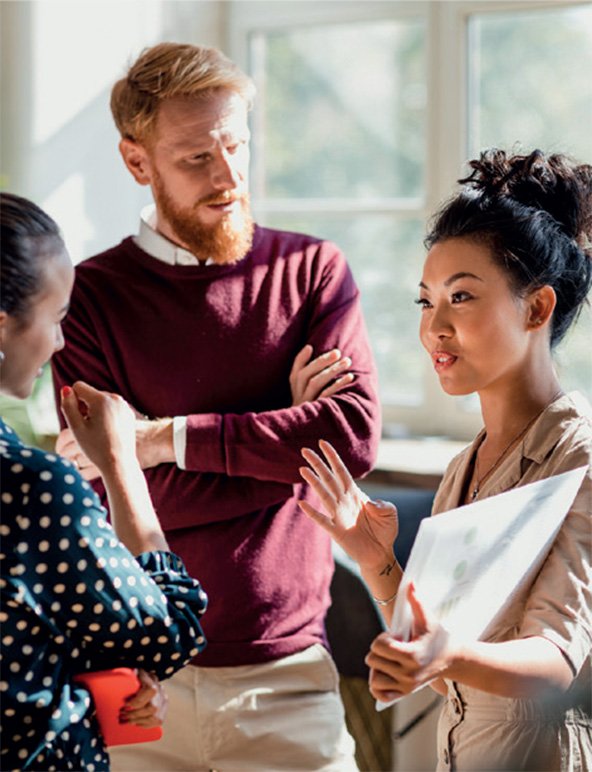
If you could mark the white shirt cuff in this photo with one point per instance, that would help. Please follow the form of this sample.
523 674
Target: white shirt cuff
180 439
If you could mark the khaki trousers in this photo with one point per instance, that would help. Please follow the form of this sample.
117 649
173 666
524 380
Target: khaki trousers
282 715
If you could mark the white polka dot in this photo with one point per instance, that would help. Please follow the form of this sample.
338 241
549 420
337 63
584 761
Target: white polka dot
7 498
117 582
45 498
69 479
133 602
21 696
16 468
85 520
99 585
59 588
83 542
62 567
27 649
131 624
25 487
117 605
45 475
99 542
26 453
86 502
101 563
63 544
98 608
131 580
23 522
4 530
45 521
65 520
41 568
47 681
113 562
80 588
22 548
14 667
77 608
43 546
109 644
50 457
94 627
67 498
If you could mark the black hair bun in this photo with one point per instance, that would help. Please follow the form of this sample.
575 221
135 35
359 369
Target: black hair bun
552 183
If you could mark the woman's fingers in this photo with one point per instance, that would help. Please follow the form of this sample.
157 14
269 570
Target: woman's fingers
324 521
338 468
323 473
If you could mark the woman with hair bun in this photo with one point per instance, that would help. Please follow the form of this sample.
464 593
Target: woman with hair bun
74 597
507 272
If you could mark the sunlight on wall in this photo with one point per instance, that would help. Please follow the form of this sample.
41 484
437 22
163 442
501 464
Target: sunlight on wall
70 70
67 206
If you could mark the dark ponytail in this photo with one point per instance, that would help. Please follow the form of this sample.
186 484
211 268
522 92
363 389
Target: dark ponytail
535 213
28 238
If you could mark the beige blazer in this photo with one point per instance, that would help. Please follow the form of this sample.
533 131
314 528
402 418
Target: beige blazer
478 731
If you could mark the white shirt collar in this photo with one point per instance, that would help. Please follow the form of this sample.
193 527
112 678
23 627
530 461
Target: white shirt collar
158 246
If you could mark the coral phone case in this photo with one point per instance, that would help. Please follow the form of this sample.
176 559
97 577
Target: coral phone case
109 688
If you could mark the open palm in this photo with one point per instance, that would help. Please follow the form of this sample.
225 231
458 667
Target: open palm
365 529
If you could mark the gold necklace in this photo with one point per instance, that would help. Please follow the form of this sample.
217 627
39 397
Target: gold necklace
479 481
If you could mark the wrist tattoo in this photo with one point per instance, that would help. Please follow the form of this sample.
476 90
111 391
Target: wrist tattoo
387 569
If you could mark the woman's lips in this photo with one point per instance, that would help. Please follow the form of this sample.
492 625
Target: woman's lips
443 360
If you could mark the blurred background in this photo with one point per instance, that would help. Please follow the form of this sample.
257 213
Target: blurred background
366 114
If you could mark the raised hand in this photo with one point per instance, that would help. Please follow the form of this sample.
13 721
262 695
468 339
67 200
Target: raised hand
365 529
101 424
323 376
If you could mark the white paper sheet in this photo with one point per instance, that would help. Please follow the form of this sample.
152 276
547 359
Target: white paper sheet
466 564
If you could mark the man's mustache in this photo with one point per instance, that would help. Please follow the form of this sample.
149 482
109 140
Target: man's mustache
217 198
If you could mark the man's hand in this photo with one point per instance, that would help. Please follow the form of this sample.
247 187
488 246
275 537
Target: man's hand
68 447
319 377
148 706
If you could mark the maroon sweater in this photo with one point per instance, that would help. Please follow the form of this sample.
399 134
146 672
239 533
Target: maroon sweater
217 344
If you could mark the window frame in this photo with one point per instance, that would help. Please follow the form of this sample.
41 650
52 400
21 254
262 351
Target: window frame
447 140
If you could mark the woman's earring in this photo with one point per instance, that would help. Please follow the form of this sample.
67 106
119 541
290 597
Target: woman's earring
2 357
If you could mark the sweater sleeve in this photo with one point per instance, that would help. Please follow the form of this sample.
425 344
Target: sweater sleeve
266 445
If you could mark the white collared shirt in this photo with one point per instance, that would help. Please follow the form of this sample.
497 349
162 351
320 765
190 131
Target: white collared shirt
158 246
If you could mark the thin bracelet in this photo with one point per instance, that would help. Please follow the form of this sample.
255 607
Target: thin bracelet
387 601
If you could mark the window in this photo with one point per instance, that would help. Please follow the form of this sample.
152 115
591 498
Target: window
365 116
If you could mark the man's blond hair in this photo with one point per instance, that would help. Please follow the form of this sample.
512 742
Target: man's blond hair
171 70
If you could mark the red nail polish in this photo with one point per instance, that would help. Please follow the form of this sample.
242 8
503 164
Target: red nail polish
66 391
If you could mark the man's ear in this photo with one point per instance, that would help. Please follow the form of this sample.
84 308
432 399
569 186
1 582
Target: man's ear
541 304
137 161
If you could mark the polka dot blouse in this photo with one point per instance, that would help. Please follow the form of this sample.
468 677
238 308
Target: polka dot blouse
73 600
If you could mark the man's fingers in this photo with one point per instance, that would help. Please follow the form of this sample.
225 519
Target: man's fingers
66 442
336 385
301 359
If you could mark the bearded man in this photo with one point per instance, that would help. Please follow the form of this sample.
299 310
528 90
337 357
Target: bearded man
207 323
